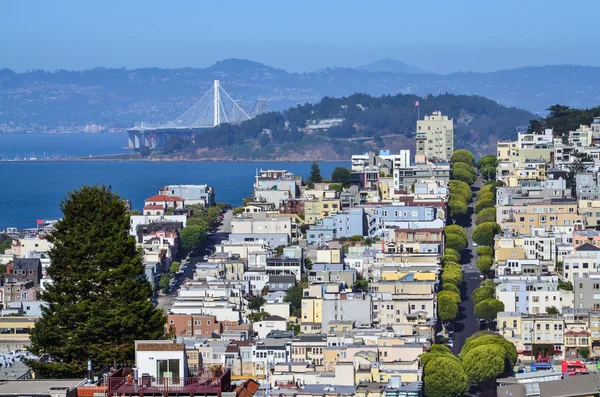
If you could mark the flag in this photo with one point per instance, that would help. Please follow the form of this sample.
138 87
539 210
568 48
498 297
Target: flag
417 103
40 221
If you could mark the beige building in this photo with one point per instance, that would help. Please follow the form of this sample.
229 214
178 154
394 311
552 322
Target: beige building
545 214
435 137
534 335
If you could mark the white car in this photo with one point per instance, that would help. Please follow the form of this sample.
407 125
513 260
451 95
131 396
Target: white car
205 257
474 244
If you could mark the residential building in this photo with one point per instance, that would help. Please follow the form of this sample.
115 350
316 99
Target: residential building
545 214
585 260
435 137
193 325
191 194
355 307
284 267
271 323
317 209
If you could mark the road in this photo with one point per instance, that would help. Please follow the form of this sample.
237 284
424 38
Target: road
197 256
466 324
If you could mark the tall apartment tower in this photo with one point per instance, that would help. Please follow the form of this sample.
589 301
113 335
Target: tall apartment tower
435 137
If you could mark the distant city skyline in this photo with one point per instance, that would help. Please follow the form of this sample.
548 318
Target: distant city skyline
441 37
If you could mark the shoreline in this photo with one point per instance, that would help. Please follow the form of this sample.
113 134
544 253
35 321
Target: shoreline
150 160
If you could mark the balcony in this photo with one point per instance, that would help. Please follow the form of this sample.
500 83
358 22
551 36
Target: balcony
206 382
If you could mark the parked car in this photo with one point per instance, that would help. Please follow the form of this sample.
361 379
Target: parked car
186 266
205 257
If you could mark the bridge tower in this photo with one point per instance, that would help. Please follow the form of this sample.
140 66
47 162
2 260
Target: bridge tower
216 104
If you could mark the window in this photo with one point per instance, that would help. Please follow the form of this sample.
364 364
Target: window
167 369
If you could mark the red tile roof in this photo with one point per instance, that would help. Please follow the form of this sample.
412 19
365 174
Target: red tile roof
163 197
154 207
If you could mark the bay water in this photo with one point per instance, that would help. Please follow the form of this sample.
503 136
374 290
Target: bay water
33 189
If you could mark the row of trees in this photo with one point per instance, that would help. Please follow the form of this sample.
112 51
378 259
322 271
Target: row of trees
487 167
484 357
463 176
485 208
449 295
487 306
200 223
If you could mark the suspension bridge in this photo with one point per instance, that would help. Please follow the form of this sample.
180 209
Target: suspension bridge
215 107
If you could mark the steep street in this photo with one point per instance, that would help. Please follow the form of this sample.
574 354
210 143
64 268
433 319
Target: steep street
466 323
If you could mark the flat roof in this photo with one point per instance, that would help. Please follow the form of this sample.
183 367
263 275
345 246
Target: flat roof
37 386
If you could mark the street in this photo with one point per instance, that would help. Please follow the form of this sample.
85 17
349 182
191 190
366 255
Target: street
197 256
466 323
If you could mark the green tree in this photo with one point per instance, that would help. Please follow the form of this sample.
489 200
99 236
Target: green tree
447 308
341 175
451 294
486 196
484 363
99 301
485 250
463 156
163 282
463 175
450 258
452 276
174 267
315 174
488 160
491 338
488 309
445 377
486 215
259 316
455 242
256 303
460 187
565 285
483 204
452 253
192 236
294 297
457 208
361 284
451 287
5 242
456 229
552 310
484 263
484 233
584 352
488 172
279 250
483 293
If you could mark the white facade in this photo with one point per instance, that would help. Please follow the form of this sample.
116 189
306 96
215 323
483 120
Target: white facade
272 323
158 363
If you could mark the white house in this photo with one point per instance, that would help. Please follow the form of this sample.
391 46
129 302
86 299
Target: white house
162 359
271 323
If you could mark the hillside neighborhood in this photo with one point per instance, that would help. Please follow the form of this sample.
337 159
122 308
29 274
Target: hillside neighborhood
409 274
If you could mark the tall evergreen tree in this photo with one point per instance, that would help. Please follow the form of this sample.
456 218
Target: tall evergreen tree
315 174
99 301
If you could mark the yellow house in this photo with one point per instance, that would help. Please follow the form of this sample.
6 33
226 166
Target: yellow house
590 209
317 209
512 173
331 255
312 315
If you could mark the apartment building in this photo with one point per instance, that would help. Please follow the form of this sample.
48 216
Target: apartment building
317 209
191 194
435 137
535 336
513 173
582 262
529 294
546 214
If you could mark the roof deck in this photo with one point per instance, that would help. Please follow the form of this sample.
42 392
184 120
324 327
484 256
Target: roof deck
204 382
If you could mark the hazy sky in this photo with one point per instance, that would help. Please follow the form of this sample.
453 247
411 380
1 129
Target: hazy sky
298 35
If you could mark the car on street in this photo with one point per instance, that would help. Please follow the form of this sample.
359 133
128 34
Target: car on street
481 276
474 244
205 257
186 266
179 272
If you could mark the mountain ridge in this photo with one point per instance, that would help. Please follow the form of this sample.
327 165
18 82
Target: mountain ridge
67 100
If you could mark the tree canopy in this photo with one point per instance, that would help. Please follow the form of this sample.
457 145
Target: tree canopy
294 297
455 242
341 175
457 208
484 263
485 250
488 309
486 215
192 236
444 376
99 301
483 363
463 156
483 293
484 233
483 204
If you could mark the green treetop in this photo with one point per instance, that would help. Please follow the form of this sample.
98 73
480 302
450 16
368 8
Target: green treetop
99 301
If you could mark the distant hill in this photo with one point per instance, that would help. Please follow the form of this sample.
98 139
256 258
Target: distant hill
370 123
67 100
391 65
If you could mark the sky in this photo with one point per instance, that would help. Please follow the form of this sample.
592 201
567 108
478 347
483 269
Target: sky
441 36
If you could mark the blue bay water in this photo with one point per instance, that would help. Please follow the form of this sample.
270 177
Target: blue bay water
33 190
